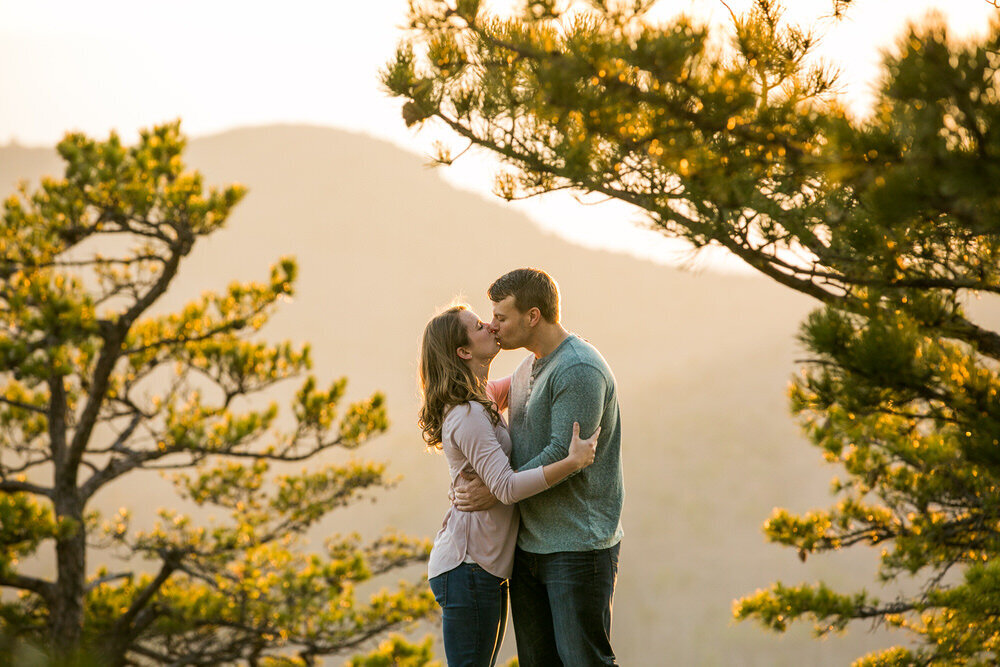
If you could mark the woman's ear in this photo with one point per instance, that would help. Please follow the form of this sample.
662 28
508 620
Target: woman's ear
464 353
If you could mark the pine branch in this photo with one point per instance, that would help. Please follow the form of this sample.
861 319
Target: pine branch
113 337
123 625
91 585
46 589
24 406
15 486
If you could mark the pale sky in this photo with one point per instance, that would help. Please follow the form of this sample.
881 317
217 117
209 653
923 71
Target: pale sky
219 64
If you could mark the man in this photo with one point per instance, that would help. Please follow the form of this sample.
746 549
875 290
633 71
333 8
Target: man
566 561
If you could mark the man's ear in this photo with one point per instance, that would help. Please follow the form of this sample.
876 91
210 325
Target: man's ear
534 316
464 353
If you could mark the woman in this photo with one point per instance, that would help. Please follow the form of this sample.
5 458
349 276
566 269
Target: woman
473 553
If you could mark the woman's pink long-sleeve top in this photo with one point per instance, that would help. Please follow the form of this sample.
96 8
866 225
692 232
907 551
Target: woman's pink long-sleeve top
470 442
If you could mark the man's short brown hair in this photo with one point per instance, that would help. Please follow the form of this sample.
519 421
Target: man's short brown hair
531 288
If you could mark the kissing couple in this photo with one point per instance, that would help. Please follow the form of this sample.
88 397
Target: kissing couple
536 510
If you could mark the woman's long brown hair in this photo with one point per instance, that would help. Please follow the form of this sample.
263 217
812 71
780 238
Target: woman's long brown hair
445 380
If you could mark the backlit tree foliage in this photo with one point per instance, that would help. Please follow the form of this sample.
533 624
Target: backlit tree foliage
890 222
97 386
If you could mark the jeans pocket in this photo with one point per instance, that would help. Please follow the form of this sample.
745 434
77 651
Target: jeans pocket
439 586
484 578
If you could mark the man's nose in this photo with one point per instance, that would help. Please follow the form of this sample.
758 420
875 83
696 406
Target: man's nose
492 328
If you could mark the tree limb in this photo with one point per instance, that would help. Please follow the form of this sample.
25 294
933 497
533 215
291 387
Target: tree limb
14 580
15 486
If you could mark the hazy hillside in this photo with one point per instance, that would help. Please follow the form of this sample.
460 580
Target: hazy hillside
702 361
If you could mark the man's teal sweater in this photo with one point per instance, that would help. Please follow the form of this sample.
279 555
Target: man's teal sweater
572 383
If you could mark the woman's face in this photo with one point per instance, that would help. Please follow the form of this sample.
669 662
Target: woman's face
483 345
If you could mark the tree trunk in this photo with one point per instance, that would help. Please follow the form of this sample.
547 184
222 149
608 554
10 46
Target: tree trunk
66 611
66 614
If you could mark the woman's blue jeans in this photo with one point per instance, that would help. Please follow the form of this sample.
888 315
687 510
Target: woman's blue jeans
474 613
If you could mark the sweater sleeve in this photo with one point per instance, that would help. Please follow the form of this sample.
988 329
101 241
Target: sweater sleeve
474 436
578 395
498 391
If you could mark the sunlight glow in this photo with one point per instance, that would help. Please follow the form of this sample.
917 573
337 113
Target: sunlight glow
125 65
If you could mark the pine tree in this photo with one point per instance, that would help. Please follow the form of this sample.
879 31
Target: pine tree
890 222
98 387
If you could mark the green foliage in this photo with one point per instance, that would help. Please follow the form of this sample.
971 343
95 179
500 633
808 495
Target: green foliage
890 222
397 652
24 524
775 607
95 388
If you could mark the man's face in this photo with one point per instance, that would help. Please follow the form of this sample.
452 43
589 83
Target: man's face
510 325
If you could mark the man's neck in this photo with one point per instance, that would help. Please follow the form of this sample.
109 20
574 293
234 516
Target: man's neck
547 340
